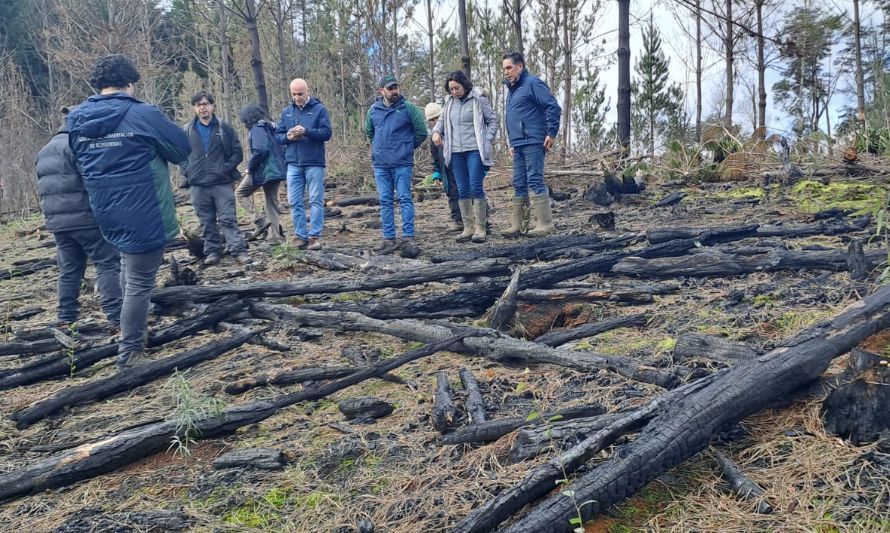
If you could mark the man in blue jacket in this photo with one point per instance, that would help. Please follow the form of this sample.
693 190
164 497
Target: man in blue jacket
210 171
123 146
395 128
304 127
532 118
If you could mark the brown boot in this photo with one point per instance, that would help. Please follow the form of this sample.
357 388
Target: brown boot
466 214
480 214
519 218
543 216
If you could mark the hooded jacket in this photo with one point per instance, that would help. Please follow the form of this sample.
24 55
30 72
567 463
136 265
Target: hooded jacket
218 165
266 163
308 150
485 126
63 198
395 131
532 111
123 146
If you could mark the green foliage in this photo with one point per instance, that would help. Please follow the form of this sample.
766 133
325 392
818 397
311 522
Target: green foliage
189 409
812 196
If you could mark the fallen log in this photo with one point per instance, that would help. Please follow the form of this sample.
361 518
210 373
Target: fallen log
504 309
28 347
26 268
364 408
277 289
487 343
692 345
532 249
357 200
711 235
558 435
474 403
685 422
96 458
558 338
299 375
67 364
629 295
492 430
127 380
716 263
741 485
444 413
26 313
262 458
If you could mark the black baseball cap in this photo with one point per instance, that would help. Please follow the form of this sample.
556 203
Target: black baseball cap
388 81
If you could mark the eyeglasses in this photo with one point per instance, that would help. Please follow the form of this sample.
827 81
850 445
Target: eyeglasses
203 104
299 94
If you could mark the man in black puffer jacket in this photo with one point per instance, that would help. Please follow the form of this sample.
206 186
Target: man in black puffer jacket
210 172
66 207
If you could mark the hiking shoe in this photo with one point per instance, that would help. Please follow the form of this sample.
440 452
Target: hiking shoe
456 225
211 259
409 248
130 360
387 247
243 258
314 243
300 243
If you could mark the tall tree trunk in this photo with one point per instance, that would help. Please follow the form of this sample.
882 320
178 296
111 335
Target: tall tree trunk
465 61
256 55
568 72
514 13
730 60
280 19
698 71
225 59
429 33
860 84
761 72
624 76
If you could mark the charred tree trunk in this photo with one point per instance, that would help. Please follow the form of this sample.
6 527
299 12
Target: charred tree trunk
95 458
474 402
695 345
630 296
534 249
624 77
558 338
561 434
123 381
495 429
708 236
27 268
502 312
683 424
444 414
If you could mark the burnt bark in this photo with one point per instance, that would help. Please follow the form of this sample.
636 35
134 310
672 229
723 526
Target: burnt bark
26 268
557 338
741 485
708 236
364 408
686 421
859 410
691 345
289 377
124 381
277 289
492 430
504 309
474 403
262 458
444 413
357 200
560 434
531 249
857 263
629 295
96 458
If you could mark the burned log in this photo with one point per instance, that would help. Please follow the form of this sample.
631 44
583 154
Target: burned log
531 249
716 263
492 430
504 309
741 485
684 423
444 413
487 343
275 289
708 236
127 380
364 408
558 338
29 347
262 458
474 403
68 363
692 345
857 263
26 313
562 434
289 377
96 458
25 268
629 295
859 409
357 200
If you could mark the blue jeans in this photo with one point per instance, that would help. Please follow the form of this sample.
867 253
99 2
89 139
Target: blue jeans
468 173
138 273
74 247
528 170
299 179
398 179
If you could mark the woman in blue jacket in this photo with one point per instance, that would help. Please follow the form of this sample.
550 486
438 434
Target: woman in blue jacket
265 169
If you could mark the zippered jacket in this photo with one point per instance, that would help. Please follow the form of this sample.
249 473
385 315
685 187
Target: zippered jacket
308 150
532 111
218 164
395 131
266 163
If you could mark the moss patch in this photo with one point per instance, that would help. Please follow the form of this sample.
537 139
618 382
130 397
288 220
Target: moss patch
813 196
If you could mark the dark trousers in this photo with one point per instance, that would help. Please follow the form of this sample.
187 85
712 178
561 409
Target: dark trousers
74 248
215 207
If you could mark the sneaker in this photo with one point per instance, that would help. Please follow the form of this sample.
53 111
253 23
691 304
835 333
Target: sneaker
387 247
409 248
243 258
314 243
212 259
300 243
130 360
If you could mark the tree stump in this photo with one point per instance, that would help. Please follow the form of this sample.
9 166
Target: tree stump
859 410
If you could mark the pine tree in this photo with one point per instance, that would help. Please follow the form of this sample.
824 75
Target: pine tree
658 104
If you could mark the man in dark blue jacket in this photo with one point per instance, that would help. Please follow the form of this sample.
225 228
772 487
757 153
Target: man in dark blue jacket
123 146
66 207
395 128
210 171
304 127
532 118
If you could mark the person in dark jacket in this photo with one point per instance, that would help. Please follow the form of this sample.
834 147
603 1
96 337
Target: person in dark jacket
66 207
303 129
532 118
441 171
123 146
395 128
209 172
265 170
